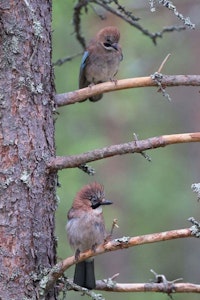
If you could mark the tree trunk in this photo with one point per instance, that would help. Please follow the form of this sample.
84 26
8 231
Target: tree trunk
27 191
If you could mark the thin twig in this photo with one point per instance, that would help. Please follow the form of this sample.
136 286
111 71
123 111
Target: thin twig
163 63
61 61
144 154
114 225
87 169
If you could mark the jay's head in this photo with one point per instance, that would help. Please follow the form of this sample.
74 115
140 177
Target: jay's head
91 196
109 37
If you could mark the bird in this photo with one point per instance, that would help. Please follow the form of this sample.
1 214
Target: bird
86 229
100 61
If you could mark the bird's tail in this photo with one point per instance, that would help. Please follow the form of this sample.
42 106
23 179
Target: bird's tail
96 98
93 98
84 274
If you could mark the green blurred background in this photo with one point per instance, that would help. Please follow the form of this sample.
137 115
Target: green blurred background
148 197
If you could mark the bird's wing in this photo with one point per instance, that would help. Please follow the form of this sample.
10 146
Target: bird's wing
82 80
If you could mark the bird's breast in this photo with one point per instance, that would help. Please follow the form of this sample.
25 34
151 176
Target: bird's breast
87 230
102 69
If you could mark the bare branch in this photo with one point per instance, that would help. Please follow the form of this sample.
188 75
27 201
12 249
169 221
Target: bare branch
61 61
77 21
73 161
172 7
68 284
167 80
184 287
121 12
116 244
129 18
112 286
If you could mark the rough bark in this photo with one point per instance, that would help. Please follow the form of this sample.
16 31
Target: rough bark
27 191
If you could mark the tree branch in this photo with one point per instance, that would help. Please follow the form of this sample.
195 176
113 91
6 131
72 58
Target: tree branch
61 61
110 285
73 161
184 287
116 244
121 12
167 80
186 20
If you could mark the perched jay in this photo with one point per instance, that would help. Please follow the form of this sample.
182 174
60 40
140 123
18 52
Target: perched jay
86 229
101 59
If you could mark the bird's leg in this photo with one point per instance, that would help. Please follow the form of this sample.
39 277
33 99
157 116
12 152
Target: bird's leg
94 247
91 84
77 254
113 80
107 238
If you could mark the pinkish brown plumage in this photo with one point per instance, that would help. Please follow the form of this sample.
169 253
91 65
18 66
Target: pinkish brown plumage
86 229
101 59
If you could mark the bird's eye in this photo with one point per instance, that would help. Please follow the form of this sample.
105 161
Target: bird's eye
107 45
91 197
95 202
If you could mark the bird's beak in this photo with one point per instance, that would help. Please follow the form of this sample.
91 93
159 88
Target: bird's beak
115 46
106 202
